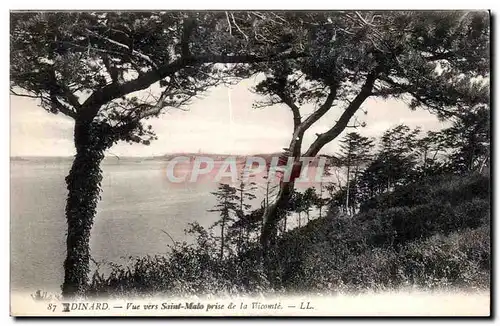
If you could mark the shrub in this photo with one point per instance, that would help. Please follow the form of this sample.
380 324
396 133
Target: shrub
461 260
430 235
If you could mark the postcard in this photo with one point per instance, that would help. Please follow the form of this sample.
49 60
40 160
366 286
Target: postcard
250 163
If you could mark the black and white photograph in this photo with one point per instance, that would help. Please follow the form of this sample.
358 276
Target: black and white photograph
247 163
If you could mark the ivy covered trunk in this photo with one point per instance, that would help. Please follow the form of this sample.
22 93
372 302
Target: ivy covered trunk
83 184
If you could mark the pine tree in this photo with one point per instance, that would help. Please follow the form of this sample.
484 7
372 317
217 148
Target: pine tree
469 140
227 200
355 151
244 193
433 60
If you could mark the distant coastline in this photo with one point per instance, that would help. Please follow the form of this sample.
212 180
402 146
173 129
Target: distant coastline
166 157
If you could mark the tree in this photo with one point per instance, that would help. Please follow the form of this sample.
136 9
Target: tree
331 163
430 151
111 71
355 151
95 68
226 206
269 187
397 154
436 60
309 198
395 162
468 140
244 192
297 205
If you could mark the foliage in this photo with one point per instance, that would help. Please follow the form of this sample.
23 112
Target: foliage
461 260
422 58
438 243
40 295
469 140
354 152
448 188
189 270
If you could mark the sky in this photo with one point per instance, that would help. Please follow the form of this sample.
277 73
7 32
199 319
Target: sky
221 121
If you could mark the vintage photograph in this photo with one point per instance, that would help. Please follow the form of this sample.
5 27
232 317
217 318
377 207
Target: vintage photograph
250 163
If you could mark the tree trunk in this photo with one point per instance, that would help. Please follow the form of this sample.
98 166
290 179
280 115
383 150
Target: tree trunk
347 191
354 199
320 198
222 237
83 184
242 216
271 218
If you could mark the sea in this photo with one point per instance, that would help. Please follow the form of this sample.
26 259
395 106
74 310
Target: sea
138 204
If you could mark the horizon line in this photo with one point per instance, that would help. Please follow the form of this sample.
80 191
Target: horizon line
153 156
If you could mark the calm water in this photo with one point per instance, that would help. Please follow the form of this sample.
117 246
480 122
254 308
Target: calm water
137 203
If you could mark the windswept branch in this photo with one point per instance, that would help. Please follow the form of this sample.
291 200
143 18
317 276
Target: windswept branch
128 48
113 91
297 119
24 95
238 27
332 133
439 56
111 70
153 110
56 104
407 89
51 101
323 109
71 98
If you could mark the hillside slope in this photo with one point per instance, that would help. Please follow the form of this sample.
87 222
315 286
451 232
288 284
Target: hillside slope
430 235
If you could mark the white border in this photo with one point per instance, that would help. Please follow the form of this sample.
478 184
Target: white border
254 4
186 4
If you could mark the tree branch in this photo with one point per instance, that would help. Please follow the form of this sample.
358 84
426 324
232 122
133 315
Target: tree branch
439 56
53 101
153 110
134 52
316 115
61 107
24 95
70 97
111 71
61 90
113 91
341 124
406 89
239 29
297 119
187 30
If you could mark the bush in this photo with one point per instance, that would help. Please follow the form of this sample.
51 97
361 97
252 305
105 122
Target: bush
460 260
430 235
445 188
425 244
189 270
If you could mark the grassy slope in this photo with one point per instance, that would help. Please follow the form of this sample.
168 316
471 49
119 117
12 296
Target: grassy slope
429 235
